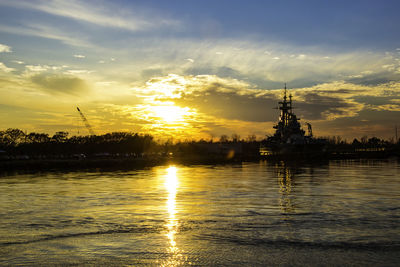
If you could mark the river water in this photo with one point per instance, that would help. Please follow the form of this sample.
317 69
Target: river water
255 214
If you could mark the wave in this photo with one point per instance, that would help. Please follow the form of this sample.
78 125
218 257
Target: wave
70 235
373 246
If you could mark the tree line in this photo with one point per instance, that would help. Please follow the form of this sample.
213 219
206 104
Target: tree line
33 144
16 142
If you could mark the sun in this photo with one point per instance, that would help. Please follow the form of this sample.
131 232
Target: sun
171 113
165 120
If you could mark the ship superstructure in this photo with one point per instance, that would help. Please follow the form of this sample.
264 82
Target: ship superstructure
288 129
289 137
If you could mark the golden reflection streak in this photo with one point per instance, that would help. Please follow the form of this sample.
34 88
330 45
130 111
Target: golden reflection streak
285 176
171 184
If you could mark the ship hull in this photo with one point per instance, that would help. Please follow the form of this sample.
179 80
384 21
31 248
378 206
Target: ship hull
291 151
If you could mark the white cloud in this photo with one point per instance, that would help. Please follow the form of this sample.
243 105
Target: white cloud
18 62
5 68
37 68
46 32
101 13
389 67
102 61
43 68
5 48
190 60
79 71
79 56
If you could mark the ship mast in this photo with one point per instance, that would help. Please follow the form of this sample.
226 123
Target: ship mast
286 108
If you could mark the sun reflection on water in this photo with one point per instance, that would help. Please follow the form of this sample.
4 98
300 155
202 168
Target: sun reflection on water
285 176
171 184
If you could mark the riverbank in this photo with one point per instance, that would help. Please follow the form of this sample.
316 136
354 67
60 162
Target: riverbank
112 163
129 163
79 164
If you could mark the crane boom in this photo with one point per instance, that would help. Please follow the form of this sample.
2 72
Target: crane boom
85 121
309 129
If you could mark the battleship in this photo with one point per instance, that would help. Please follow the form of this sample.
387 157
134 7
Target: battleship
289 139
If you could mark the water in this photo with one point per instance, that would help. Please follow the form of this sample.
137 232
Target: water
338 213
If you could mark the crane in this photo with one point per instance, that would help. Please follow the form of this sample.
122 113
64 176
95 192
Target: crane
85 121
309 129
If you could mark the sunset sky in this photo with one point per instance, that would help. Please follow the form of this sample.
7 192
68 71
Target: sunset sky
199 69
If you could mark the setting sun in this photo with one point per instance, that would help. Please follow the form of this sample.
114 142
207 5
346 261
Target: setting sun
170 113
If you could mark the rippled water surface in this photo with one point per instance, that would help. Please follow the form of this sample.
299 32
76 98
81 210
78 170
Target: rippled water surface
337 213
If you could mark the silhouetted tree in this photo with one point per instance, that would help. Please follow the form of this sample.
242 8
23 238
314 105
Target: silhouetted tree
235 138
364 139
12 136
251 138
223 138
60 137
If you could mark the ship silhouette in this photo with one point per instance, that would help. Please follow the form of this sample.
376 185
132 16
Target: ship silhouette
289 139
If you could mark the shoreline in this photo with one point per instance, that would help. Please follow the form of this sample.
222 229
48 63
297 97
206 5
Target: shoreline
109 164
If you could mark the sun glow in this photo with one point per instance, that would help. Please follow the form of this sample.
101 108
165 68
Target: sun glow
170 114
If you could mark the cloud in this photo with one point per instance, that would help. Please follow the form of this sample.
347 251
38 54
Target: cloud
4 68
48 32
369 123
231 102
43 68
5 48
37 68
247 60
79 56
230 105
73 72
99 13
226 89
376 78
151 72
63 84
212 105
314 106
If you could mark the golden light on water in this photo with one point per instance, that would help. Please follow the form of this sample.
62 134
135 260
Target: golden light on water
171 185
285 176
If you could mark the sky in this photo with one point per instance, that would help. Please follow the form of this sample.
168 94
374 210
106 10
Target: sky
193 70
